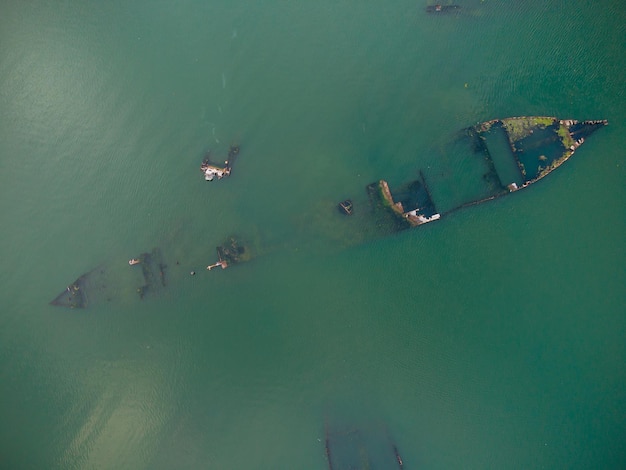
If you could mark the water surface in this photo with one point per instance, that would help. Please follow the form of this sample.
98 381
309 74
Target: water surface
491 339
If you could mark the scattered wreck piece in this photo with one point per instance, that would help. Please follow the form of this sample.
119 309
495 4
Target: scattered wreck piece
229 253
213 170
442 8
503 156
153 270
345 207
356 448
413 203
221 263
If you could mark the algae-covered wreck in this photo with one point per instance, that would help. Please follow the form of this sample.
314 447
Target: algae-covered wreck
505 155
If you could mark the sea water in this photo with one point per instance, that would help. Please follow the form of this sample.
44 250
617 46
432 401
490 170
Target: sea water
493 338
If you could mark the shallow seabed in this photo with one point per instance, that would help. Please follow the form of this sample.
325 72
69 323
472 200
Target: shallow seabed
493 338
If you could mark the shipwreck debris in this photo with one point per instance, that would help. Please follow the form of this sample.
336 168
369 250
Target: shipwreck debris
108 281
229 253
90 288
213 170
345 207
404 207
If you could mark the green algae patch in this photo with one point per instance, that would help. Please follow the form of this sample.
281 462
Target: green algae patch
519 128
564 134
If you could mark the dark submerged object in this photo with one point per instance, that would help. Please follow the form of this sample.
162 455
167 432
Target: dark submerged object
442 8
229 253
345 207
103 282
90 288
411 206
75 295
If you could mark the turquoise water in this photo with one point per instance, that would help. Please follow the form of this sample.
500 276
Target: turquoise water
500 151
491 339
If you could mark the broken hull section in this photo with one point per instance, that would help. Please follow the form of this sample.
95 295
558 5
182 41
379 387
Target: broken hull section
144 276
485 161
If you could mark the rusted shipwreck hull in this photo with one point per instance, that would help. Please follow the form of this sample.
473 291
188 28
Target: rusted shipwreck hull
512 153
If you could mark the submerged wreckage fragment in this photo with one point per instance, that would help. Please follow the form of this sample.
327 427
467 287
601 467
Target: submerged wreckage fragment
345 207
109 281
413 204
538 144
213 170
488 160
497 157
153 271
229 253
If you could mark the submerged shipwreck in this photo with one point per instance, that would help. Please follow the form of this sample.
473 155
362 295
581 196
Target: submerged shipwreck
502 156
145 275
484 162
